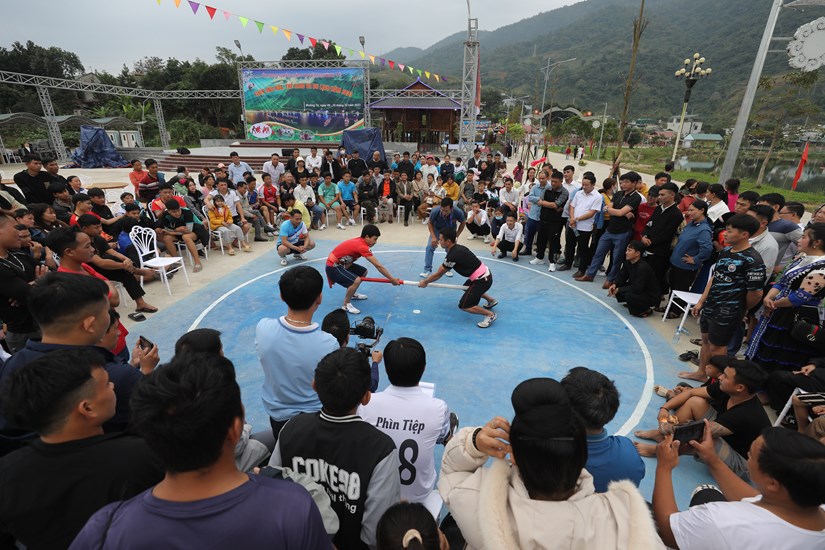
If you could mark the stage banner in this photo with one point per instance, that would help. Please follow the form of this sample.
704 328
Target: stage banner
313 105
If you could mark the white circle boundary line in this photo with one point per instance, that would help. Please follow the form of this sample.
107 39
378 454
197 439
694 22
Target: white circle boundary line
638 411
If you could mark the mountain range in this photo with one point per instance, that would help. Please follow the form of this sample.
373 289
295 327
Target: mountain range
598 34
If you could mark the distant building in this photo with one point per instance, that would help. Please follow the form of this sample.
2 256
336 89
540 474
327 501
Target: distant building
697 140
691 126
88 78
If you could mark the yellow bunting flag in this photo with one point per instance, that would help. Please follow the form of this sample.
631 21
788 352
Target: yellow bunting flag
361 54
372 59
177 3
287 33
274 29
427 73
337 49
436 78
243 20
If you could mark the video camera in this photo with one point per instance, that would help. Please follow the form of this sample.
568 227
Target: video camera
366 329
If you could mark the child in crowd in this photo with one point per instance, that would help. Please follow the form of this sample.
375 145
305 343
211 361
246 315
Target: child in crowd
409 525
125 198
220 219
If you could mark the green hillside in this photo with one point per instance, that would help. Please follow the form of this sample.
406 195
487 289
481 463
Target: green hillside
598 34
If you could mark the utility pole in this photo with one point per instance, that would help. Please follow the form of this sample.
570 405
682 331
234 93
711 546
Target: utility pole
601 134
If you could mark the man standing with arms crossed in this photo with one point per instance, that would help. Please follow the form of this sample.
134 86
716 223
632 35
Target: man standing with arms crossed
441 217
342 269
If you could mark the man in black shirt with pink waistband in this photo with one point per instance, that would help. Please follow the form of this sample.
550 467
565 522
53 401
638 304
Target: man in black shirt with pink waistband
479 279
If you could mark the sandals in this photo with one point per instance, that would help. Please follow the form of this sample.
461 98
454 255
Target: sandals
688 355
696 341
661 391
146 309
136 316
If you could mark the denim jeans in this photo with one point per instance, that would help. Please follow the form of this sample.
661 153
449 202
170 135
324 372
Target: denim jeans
610 241
428 254
530 233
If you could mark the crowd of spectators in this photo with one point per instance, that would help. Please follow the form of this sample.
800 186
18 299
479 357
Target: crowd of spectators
104 447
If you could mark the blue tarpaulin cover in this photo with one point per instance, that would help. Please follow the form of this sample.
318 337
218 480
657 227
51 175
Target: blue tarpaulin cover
96 150
364 141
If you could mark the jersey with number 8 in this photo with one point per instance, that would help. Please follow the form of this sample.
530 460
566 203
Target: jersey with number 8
416 423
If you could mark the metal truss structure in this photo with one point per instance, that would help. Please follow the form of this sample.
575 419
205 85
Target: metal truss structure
469 82
375 95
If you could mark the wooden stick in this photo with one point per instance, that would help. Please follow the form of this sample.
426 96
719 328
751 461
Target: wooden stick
413 283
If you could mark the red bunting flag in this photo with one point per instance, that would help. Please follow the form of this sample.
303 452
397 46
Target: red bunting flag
194 6
211 11
312 41
802 162
392 64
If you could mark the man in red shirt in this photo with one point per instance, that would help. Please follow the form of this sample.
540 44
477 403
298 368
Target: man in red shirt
645 212
342 269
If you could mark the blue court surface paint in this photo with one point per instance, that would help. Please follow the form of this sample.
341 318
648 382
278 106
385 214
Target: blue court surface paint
547 324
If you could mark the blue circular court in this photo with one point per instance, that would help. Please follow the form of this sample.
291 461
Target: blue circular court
546 325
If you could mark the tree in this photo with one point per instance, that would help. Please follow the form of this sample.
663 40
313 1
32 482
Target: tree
227 56
639 25
313 53
30 58
492 103
634 137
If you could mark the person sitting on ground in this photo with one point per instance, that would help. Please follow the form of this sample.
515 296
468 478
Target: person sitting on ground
61 201
336 437
220 220
342 269
294 238
290 347
73 314
477 222
543 493
72 468
409 525
191 416
595 399
415 421
783 508
730 404
509 238
637 285
115 266
250 214
180 225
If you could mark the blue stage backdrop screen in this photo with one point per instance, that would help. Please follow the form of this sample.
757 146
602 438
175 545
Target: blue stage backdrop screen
314 105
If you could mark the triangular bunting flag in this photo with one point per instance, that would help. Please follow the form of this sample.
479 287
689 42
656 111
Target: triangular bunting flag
226 15
427 74
401 67
193 5
300 37
211 11
260 26
312 41
436 78
274 30
383 61
287 33
158 2
326 44
418 71
372 59
177 3
444 78
392 64
351 53
338 49
411 69
243 20
362 54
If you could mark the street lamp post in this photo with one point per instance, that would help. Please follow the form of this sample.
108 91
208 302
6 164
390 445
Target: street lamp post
238 45
691 72
547 69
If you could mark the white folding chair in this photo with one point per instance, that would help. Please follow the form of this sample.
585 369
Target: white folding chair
400 212
212 233
690 299
146 246
788 408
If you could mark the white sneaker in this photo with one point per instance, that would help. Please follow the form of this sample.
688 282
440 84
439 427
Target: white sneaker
351 221
425 274
323 226
349 308
283 261
359 296
551 267
488 321
341 227
471 237
300 256
449 273
536 261
424 222
487 239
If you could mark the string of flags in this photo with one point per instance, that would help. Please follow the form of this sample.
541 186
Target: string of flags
211 11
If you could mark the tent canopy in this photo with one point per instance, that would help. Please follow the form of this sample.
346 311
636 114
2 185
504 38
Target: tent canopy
97 150
365 141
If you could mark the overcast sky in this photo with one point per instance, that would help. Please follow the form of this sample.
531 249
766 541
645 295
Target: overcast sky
108 33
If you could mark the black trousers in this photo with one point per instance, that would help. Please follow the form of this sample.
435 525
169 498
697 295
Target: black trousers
408 205
570 242
128 280
681 279
636 303
507 246
659 264
481 230
781 385
549 234
585 253
277 426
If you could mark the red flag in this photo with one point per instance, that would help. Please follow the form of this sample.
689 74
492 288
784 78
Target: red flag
312 41
538 161
211 11
802 162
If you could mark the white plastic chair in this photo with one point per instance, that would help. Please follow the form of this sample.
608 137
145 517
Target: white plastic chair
212 233
146 245
689 298
400 212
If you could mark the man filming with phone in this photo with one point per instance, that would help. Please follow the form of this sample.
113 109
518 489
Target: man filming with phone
736 416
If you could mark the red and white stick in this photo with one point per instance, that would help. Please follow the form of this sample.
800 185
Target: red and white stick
413 283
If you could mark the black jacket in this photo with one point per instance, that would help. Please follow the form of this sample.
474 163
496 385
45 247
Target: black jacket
660 229
639 279
408 167
357 167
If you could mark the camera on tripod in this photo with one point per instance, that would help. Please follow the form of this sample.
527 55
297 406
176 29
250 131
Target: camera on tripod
366 329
